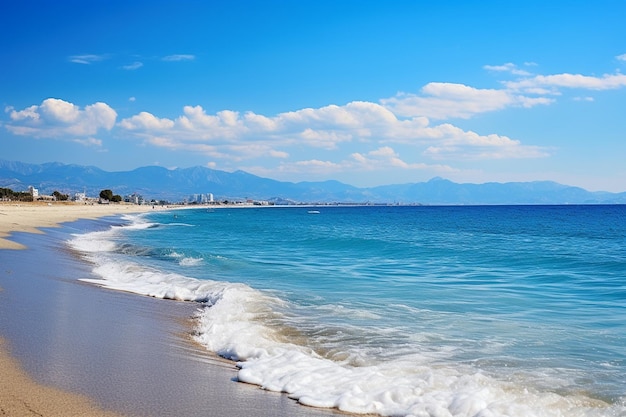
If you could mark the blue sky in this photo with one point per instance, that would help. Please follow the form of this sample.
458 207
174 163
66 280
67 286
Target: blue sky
365 92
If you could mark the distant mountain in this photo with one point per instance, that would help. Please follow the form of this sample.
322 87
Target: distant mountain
442 191
177 184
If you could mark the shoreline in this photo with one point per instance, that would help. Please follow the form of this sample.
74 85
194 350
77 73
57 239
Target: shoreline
31 217
20 394
79 349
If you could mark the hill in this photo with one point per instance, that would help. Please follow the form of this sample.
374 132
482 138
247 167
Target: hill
160 183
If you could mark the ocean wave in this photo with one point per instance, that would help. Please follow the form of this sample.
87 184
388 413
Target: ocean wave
280 349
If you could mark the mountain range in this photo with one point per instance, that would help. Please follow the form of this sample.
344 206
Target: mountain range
175 185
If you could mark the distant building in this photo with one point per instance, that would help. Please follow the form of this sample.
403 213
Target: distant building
33 191
135 198
201 199
80 197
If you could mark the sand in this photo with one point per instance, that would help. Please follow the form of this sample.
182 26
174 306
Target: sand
21 396
72 349
29 217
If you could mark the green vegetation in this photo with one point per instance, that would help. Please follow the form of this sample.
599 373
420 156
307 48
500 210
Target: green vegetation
109 196
9 194
60 197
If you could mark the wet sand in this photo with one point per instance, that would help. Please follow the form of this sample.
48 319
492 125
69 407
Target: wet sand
69 348
21 396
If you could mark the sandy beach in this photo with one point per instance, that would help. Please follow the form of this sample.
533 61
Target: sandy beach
29 217
72 349
19 394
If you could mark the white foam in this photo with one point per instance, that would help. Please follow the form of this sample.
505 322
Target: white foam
245 325
154 283
94 242
407 386
103 241
190 261
402 389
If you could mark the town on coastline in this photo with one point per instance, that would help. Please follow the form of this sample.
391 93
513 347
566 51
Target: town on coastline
106 196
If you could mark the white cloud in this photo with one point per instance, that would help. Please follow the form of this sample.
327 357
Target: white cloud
55 118
586 82
29 113
383 158
508 67
134 66
621 57
90 142
449 100
56 110
146 121
312 167
179 57
235 137
277 154
87 59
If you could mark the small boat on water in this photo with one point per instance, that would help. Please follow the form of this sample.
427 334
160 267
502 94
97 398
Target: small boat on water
313 212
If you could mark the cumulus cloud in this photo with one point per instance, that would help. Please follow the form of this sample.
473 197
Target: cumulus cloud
55 118
621 57
578 81
146 122
458 144
384 158
229 134
442 101
410 121
451 100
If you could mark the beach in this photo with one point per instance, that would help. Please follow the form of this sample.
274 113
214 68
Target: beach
30 217
21 396
68 348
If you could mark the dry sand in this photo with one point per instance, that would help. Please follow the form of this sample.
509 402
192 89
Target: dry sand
28 217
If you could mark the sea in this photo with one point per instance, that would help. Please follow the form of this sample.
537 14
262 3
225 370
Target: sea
395 310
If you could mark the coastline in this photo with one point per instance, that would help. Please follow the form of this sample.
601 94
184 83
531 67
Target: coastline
78 349
19 393
30 217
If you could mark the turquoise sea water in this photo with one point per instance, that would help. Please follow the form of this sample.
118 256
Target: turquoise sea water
425 311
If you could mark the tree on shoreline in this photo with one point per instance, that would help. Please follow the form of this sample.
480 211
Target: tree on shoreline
9 194
60 197
109 196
